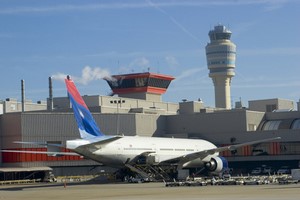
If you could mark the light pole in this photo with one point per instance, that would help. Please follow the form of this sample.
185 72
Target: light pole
119 101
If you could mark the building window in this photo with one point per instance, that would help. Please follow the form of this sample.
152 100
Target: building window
290 148
252 127
271 107
296 124
271 125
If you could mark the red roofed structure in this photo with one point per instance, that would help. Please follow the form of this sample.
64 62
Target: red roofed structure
147 86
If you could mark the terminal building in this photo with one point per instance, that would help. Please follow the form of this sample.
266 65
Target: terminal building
136 108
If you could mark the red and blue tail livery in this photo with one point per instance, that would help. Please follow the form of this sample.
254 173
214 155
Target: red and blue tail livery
85 121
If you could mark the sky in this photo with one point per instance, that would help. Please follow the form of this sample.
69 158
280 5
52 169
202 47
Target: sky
90 39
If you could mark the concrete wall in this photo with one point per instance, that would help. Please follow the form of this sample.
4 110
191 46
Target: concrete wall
143 96
10 130
254 119
11 105
107 105
261 105
1 108
149 125
190 107
207 123
282 115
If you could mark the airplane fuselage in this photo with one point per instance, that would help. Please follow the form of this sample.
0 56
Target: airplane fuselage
128 148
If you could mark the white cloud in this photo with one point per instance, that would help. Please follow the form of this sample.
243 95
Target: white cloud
137 65
275 5
270 5
5 35
140 62
172 61
262 81
266 85
271 51
68 8
240 28
88 74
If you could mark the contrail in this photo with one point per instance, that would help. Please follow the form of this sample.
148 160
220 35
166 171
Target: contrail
173 20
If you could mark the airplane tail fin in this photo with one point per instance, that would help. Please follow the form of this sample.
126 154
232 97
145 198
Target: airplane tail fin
85 121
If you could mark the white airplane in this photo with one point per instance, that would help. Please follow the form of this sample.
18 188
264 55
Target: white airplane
120 151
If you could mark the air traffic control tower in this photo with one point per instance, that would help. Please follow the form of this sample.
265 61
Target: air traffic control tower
146 86
220 55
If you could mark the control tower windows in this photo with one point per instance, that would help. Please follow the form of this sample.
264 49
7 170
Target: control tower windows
140 82
129 83
220 36
154 82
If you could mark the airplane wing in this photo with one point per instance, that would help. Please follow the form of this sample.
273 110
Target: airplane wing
53 149
236 146
45 144
202 154
50 153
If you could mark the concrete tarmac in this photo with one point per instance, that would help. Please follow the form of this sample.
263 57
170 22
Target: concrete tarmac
145 191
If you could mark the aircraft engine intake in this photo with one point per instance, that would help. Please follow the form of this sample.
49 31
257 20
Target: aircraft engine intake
217 164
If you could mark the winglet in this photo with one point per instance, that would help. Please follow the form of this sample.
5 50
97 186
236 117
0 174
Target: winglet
85 121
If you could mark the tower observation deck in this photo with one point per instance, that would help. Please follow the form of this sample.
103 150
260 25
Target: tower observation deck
220 56
146 86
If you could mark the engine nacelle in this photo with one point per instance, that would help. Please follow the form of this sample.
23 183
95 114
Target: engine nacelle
217 164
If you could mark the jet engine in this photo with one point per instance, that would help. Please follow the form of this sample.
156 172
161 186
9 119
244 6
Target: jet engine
216 164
